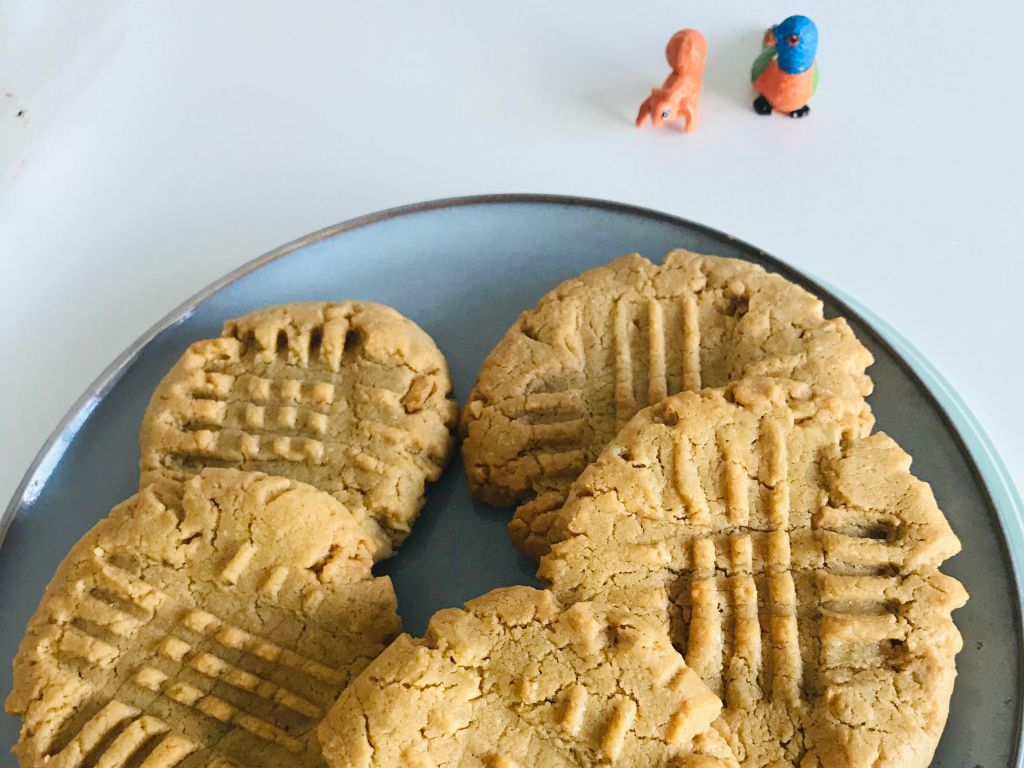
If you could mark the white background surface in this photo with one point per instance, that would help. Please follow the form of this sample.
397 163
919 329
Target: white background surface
163 144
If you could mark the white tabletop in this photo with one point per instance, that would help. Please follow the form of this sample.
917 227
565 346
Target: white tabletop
147 148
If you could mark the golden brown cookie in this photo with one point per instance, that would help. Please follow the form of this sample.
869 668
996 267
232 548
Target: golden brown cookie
517 680
795 563
600 347
212 624
352 398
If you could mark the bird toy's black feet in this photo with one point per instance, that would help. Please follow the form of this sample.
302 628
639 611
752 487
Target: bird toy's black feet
804 110
762 107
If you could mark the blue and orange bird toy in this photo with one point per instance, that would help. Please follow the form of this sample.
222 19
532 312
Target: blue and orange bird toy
785 75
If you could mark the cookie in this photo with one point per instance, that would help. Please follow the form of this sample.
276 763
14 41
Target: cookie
598 348
351 398
517 680
794 562
212 624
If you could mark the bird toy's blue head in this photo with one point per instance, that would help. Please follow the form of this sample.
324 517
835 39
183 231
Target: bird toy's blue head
796 42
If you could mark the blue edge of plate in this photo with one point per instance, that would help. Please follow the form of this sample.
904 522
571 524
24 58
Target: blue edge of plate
993 472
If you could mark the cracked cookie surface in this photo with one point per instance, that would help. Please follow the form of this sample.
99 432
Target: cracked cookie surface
794 562
599 347
351 397
210 623
515 679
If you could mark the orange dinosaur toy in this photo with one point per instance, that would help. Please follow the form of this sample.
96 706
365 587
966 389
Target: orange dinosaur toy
677 96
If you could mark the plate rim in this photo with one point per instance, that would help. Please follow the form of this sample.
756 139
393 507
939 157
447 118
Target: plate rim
41 466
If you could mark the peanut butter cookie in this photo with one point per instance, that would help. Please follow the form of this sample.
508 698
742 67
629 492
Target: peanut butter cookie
794 562
516 680
598 348
209 624
352 398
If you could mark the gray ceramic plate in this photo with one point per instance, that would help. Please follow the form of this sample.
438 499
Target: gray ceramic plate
463 269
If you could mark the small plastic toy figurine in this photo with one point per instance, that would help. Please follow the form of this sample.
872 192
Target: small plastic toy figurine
785 74
678 95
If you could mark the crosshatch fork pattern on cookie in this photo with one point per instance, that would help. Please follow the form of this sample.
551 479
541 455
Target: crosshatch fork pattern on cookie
213 629
598 348
351 398
795 563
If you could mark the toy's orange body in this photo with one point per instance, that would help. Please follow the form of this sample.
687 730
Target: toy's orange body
784 91
678 95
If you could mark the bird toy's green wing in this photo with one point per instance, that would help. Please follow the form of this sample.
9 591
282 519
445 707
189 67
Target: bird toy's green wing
817 74
761 62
